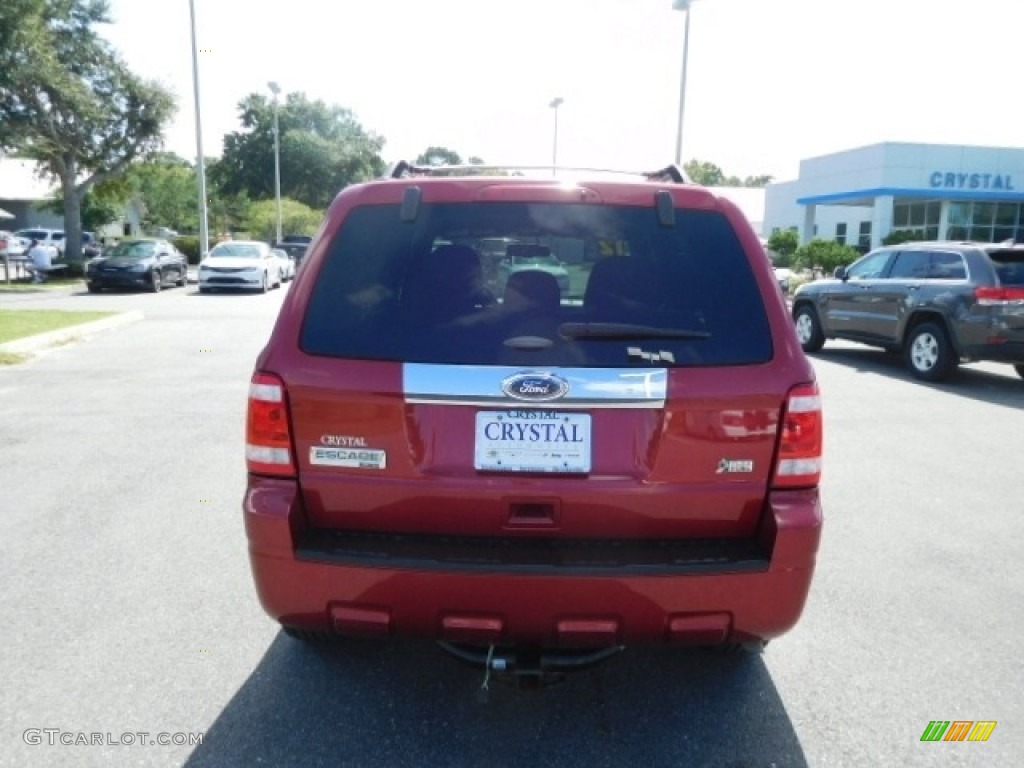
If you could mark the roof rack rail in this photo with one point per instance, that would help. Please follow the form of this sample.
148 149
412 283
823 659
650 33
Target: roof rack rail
669 173
403 169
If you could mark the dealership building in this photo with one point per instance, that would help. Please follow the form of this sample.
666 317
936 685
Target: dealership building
860 196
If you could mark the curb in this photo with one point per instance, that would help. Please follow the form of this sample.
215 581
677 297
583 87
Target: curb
71 333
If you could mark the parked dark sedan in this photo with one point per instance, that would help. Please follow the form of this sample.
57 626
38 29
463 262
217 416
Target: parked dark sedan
149 263
295 246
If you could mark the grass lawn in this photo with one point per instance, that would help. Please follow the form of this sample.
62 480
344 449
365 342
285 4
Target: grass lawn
19 323
21 285
9 358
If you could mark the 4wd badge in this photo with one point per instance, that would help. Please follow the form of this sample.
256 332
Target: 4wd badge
733 466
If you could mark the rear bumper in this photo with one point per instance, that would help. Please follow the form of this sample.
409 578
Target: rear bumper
309 586
1007 352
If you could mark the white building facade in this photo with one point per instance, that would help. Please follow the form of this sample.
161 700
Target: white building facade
25 189
944 192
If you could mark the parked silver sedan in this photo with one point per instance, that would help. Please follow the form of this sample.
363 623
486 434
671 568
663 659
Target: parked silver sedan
287 262
245 264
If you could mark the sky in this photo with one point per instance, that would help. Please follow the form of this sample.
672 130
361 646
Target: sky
768 83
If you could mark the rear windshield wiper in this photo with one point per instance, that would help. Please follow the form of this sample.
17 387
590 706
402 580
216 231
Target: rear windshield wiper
626 331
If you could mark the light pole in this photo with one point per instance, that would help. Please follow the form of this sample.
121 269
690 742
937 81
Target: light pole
555 104
682 5
275 89
204 233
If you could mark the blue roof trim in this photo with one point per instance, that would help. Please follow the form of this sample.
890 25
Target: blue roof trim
934 193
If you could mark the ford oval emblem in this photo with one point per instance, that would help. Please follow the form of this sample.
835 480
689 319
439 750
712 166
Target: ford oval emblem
535 387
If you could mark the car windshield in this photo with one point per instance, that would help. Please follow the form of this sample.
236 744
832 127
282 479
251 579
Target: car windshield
628 292
139 249
235 251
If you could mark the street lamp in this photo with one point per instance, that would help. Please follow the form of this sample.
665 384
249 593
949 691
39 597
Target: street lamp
555 104
204 234
275 89
682 5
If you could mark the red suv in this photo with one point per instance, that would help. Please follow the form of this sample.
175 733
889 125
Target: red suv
540 476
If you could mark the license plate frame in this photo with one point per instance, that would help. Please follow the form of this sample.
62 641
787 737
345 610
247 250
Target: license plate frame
535 440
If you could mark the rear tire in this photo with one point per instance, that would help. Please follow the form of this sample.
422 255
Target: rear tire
309 635
93 288
1020 370
808 329
929 354
732 648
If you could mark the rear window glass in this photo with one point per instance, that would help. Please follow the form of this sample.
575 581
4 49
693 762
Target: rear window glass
1009 266
537 284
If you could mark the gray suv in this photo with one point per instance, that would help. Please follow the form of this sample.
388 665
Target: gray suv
939 303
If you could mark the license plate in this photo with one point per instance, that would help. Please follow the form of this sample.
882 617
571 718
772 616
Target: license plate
532 441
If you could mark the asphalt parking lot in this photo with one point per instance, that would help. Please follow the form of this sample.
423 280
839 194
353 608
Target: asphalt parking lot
129 604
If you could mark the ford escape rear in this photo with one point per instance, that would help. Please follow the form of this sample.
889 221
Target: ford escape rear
632 457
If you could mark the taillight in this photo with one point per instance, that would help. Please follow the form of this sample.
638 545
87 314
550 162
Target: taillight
268 439
799 462
990 296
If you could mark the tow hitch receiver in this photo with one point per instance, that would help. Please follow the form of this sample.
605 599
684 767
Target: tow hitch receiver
528 669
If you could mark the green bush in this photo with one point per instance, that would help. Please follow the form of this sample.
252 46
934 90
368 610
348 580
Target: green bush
783 243
296 219
825 255
797 280
189 245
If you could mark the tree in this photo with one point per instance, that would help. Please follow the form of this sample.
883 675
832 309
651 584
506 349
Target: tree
783 243
483 170
296 218
710 175
227 213
438 156
101 205
167 188
705 174
825 255
322 149
69 102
